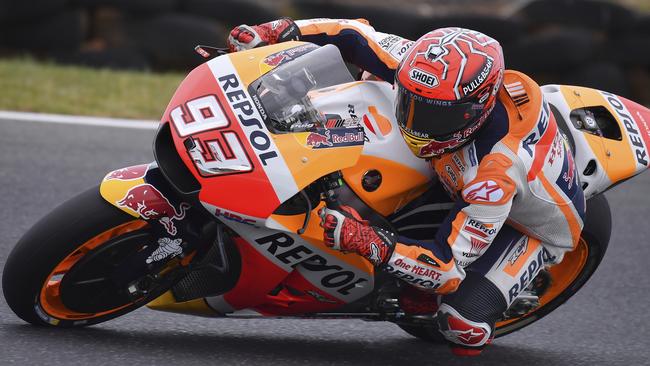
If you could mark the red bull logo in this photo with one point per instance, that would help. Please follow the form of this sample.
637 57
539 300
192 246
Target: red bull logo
128 173
150 204
278 58
275 59
317 140
435 148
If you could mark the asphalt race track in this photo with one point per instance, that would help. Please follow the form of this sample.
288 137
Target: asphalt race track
41 165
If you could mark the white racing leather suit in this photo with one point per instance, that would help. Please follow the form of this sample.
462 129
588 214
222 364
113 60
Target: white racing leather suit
517 202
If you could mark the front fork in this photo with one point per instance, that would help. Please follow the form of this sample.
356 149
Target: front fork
177 226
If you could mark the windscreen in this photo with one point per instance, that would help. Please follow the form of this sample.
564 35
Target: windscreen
284 91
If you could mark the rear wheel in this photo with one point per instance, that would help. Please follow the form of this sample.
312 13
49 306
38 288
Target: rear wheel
557 284
64 271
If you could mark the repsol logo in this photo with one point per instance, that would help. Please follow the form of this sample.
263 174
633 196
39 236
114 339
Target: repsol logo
633 133
331 276
487 231
423 78
417 280
536 135
526 276
245 111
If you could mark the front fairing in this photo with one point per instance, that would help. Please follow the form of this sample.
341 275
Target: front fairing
245 171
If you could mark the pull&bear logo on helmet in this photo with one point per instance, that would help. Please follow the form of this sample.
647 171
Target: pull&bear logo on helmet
424 78
474 84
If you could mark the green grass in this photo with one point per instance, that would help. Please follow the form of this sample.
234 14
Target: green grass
27 85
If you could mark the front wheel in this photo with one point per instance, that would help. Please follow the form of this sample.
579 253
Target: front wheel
63 271
556 285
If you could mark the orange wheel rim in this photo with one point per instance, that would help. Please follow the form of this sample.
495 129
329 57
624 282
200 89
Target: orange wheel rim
562 276
50 296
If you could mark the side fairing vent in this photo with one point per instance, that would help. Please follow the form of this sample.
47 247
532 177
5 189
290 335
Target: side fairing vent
596 120
171 165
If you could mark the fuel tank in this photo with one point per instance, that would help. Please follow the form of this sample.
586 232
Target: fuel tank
387 175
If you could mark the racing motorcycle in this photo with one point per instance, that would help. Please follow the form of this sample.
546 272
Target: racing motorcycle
223 223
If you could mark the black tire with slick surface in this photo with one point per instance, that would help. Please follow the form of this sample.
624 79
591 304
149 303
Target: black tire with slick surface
596 233
48 243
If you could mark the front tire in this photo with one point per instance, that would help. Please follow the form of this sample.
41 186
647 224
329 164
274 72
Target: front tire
61 271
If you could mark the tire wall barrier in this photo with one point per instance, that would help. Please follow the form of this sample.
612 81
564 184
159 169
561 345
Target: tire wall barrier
594 43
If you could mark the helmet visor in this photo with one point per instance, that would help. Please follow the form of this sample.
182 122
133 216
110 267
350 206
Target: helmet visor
434 119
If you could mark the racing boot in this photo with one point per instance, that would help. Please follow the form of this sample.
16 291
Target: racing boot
465 337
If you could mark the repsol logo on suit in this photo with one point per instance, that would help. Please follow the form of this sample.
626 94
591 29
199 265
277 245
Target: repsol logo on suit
526 277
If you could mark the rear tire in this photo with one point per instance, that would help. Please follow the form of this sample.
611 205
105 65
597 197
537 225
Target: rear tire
57 239
595 237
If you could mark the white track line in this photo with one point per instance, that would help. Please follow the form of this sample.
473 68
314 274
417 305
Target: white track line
8 116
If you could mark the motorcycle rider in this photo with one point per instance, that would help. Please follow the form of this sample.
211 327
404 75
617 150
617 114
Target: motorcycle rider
496 149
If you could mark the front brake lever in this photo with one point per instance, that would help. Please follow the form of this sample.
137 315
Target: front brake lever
307 213
202 50
331 200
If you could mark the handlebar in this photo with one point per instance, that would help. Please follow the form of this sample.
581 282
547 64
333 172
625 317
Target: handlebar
331 201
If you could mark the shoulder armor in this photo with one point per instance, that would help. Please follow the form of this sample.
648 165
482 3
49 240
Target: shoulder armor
523 99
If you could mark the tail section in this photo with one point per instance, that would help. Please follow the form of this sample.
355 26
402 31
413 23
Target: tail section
610 135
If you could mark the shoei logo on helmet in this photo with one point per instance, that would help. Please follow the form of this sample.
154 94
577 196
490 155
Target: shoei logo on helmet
423 78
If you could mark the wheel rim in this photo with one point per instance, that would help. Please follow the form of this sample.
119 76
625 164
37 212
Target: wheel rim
51 299
562 276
